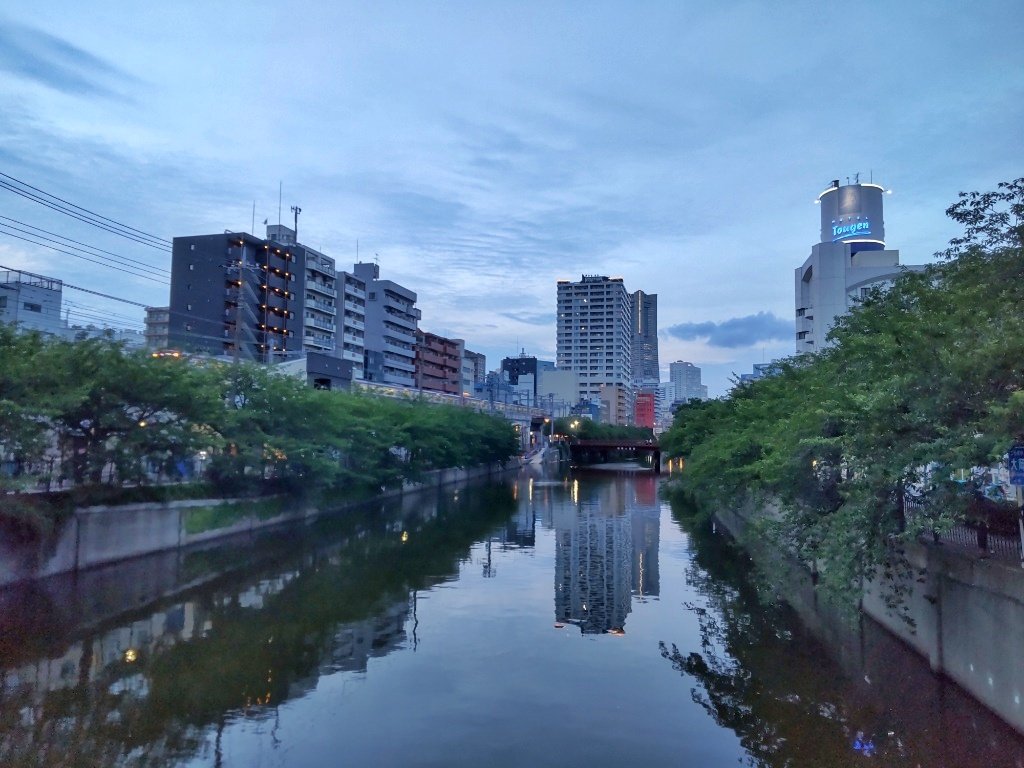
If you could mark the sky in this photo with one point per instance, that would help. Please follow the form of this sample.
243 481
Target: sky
484 150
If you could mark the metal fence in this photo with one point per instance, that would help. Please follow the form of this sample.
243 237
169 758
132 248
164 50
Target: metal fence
974 537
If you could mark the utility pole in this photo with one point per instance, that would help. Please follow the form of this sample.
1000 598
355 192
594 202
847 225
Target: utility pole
296 210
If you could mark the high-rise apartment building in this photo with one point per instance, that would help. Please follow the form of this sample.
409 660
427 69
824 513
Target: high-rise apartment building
392 320
595 334
850 260
352 308
685 378
234 293
271 299
645 338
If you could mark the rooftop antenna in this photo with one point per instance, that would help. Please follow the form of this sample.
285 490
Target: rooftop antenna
357 250
376 259
296 210
253 230
856 178
279 185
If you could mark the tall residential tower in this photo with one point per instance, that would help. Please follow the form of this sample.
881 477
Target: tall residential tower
595 334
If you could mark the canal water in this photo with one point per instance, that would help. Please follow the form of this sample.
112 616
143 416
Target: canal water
542 621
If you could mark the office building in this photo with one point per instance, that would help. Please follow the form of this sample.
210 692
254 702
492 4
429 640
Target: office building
523 375
31 302
595 334
392 320
645 338
685 378
850 260
438 363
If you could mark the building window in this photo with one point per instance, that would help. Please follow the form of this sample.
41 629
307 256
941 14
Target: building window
30 307
3 302
192 247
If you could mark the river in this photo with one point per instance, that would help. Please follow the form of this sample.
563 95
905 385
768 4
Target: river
543 621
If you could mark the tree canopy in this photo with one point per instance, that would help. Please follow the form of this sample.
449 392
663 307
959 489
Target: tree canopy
922 382
91 412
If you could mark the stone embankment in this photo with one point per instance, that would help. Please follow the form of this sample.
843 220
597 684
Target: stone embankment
962 612
94 536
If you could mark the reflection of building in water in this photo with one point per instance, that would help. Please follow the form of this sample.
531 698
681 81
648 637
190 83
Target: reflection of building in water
606 549
521 529
122 654
646 522
593 552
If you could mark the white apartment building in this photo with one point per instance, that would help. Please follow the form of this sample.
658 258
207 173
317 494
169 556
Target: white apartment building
392 320
595 334
351 340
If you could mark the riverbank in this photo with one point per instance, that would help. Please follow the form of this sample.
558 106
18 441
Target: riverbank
964 614
100 535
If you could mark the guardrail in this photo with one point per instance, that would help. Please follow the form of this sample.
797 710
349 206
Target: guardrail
975 536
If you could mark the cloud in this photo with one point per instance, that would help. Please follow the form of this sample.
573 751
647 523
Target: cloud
531 318
737 331
56 63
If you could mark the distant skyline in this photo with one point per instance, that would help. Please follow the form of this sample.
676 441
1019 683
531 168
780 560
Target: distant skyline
483 151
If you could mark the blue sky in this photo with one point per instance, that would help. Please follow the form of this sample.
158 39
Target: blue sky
485 150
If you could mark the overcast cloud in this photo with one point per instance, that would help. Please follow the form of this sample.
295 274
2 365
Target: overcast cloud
482 151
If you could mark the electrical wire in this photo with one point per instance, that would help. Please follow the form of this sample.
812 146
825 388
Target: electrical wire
84 258
89 248
63 205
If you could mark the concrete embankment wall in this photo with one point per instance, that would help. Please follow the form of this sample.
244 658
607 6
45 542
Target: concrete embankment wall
95 536
964 614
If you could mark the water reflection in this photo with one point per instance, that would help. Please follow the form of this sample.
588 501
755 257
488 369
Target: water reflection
793 700
143 690
606 551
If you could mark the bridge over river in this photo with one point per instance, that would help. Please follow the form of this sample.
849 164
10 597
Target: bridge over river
603 451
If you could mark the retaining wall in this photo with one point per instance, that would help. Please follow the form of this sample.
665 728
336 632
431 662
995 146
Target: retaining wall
101 535
962 613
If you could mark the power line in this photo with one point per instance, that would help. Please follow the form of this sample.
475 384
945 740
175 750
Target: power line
159 245
100 313
129 263
84 258
147 235
78 288
83 245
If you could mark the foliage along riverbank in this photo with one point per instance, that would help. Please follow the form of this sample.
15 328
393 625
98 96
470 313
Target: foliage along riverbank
118 426
923 382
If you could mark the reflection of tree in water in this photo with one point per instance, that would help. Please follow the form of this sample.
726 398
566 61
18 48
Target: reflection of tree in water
159 707
761 676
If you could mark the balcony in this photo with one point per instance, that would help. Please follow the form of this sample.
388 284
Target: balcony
321 306
318 322
313 266
323 288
